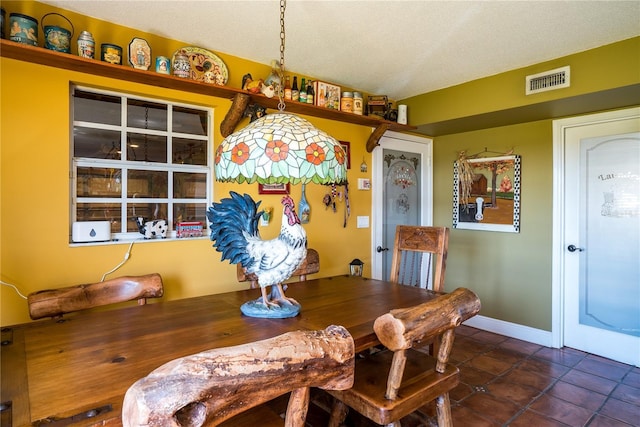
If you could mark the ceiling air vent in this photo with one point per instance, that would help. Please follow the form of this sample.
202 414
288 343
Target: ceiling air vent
549 80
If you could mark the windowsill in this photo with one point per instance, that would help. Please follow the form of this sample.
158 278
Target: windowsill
125 241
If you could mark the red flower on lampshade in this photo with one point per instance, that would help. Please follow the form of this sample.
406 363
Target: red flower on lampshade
240 153
277 150
315 154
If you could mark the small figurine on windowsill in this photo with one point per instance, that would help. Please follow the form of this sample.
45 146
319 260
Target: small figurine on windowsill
152 229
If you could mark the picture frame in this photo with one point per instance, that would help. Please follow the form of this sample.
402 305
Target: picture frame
493 200
327 95
274 188
346 145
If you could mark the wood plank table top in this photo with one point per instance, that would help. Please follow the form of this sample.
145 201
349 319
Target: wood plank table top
75 372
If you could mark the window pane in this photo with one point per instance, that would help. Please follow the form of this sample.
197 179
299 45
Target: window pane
96 108
96 143
99 182
189 185
144 183
147 148
147 211
187 120
146 115
100 212
148 156
190 212
189 152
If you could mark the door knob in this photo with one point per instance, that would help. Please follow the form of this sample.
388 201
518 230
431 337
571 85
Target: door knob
381 249
573 248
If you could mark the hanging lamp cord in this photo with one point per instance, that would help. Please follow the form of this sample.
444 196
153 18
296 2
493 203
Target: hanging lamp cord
281 104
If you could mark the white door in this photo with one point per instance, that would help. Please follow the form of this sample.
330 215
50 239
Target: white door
600 237
402 192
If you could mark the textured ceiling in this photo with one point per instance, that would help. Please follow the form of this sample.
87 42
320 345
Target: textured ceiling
396 48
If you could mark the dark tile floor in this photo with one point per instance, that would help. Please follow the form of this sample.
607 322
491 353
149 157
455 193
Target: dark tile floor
508 382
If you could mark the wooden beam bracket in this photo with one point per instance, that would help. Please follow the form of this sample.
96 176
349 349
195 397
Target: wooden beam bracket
235 114
375 136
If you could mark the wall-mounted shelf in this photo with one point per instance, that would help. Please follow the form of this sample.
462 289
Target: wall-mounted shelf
38 55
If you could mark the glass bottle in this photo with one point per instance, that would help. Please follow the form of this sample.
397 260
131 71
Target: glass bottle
303 91
310 92
287 88
295 93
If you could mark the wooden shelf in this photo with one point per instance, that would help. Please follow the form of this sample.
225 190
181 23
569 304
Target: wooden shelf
38 55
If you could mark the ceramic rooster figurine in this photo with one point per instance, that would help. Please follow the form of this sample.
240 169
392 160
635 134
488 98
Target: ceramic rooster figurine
234 231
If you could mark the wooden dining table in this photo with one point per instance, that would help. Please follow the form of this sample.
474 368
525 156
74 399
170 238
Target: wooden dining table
75 371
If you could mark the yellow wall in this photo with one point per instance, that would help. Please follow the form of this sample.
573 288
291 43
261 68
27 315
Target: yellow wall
34 181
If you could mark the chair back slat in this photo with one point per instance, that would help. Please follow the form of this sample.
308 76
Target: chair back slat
210 387
417 251
56 302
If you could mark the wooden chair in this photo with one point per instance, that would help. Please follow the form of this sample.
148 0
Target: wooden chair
56 302
213 386
414 377
310 265
416 251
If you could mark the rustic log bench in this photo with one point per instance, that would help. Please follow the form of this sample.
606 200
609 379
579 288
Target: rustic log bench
213 386
56 302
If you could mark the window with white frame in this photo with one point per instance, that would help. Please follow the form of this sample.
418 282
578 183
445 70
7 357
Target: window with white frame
134 157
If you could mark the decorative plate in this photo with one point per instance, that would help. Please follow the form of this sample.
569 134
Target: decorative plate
139 54
206 66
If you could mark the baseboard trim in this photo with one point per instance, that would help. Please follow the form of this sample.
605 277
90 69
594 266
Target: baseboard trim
511 330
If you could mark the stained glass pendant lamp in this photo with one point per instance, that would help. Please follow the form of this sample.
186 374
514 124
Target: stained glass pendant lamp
281 147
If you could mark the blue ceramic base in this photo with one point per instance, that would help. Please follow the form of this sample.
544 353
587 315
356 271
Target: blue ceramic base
256 308
284 310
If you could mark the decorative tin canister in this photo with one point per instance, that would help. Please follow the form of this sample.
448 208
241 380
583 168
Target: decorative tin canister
346 102
163 65
181 66
86 45
57 38
357 103
23 29
111 53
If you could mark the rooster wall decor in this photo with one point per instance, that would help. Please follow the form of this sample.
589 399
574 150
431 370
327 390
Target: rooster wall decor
234 231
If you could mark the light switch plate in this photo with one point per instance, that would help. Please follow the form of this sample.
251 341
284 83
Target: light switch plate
362 222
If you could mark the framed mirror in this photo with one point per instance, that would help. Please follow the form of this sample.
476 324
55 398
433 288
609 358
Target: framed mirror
486 194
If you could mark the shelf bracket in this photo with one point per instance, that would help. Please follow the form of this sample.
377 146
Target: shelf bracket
375 136
235 114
